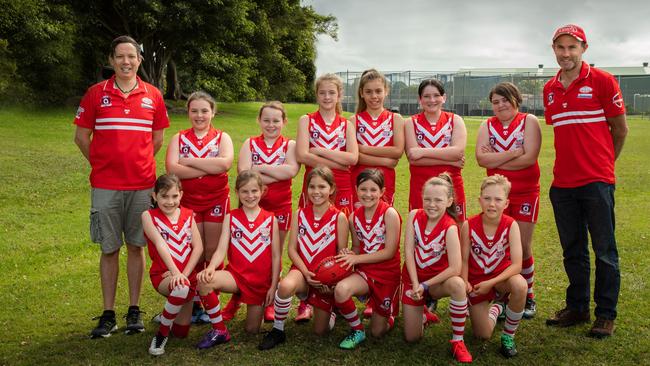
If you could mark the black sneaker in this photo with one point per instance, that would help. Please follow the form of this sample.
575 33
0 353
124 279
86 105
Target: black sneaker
157 347
134 322
530 309
105 327
272 339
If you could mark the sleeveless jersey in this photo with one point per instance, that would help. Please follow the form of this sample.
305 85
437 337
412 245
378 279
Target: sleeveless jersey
372 237
317 237
178 237
507 139
438 136
278 194
488 256
430 248
250 252
332 137
202 193
375 132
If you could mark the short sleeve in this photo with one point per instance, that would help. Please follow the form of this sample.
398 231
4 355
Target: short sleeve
610 96
161 119
85 116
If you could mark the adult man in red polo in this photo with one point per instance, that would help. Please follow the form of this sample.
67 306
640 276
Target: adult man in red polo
120 125
585 107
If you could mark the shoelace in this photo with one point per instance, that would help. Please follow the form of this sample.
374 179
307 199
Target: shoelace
134 315
352 336
509 342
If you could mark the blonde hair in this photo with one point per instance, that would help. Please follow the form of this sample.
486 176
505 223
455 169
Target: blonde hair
201 95
496 180
334 79
444 180
277 105
367 76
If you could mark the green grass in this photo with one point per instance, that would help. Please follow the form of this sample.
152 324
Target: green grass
50 284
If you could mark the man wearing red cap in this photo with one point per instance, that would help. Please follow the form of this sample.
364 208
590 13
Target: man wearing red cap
585 107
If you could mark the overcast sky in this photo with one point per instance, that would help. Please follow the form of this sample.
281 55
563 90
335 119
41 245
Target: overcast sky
435 35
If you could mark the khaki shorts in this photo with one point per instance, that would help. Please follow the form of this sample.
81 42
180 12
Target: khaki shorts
115 217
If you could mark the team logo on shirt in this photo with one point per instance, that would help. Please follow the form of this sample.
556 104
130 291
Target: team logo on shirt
281 219
314 135
525 209
147 103
164 234
585 89
476 248
106 101
185 151
217 211
265 232
385 303
214 151
617 100
302 230
236 234
188 232
387 131
492 141
80 110
419 136
550 98
362 129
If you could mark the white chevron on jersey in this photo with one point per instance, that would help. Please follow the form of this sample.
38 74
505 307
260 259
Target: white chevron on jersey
314 241
439 140
374 136
250 245
488 258
373 238
178 241
203 152
273 158
509 143
326 140
427 254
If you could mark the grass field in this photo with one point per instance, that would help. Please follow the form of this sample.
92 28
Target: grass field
50 289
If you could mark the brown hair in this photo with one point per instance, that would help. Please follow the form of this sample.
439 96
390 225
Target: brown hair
367 76
246 176
273 105
125 39
324 173
431 82
334 79
444 180
509 91
201 95
498 180
374 175
164 183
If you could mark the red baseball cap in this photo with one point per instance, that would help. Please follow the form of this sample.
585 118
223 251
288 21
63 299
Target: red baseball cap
572 30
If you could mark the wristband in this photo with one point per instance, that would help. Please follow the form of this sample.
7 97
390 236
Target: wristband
424 286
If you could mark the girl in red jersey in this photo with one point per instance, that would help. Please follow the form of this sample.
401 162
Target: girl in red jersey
509 144
273 156
251 242
435 143
491 251
380 132
375 253
319 230
433 263
326 138
175 248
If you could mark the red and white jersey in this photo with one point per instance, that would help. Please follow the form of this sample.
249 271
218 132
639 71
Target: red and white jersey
372 238
584 149
317 237
438 136
278 193
331 137
250 252
201 193
121 148
507 139
431 247
177 235
488 255
377 132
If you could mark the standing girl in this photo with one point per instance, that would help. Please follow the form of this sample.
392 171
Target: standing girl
508 144
433 263
435 143
252 244
380 132
375 253
319 231
175 249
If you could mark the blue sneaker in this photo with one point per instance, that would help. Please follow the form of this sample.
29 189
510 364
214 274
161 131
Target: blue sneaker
353 339
199 316
213 338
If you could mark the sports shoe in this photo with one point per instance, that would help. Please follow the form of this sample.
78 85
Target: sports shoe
157 346
460 352
508 347
272 339
432 304
156 318
213 338
134 322
567 318
530 309
353 339
269 314
199 316
304 313
602 328
229 312
105 327
367 312
429 317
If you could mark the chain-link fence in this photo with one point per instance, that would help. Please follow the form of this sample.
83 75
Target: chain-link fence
467 91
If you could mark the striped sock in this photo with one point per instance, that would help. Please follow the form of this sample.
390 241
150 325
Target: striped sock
458 313
281 308
349 312
213 308
528 272
494 312
179 296
512 321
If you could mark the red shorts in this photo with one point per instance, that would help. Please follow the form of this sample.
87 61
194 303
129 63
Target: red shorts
407 286
318 300
523 207
384 297
491 295
215 214
248 292
156 278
